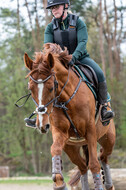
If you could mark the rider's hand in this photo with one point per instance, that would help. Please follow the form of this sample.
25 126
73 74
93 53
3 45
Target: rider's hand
72 62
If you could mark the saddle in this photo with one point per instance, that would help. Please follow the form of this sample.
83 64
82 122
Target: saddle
89 77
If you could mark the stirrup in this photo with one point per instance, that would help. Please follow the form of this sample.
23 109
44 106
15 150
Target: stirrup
29 124
105 122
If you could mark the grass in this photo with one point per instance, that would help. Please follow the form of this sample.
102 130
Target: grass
38 181
29 181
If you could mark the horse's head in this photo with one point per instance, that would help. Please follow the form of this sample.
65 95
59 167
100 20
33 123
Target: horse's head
42 86
42 81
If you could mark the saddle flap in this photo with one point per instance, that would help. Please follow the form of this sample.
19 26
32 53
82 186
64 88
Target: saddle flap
90 74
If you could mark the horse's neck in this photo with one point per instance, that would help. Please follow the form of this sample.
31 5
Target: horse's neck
61 72
62 75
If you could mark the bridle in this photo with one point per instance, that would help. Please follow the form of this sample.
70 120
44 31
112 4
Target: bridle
42 109
61 105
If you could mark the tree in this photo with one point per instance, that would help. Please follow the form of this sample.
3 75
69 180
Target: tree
29 149
101 38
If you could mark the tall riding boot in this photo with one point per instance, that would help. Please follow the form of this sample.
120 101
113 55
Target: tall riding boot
106 115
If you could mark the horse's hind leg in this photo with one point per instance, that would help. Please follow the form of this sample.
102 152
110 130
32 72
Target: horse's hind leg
107 142
74 154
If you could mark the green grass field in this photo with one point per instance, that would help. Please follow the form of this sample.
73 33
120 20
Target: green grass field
38 181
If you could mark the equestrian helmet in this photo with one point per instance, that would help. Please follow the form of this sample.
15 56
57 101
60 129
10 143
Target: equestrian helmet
51 3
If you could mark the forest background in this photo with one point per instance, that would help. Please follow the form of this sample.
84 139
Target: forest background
22 25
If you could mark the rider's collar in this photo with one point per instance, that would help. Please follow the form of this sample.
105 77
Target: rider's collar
61 19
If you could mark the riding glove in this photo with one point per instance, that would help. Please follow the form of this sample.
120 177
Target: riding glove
72 62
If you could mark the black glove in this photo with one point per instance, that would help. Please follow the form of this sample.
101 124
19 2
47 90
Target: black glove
72 62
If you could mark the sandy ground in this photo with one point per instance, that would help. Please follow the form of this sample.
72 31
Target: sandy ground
24 187
118 176
27 187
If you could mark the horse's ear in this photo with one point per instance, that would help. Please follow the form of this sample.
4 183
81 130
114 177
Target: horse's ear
50 60
28 61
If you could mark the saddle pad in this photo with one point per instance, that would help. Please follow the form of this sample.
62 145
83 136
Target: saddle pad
86 80
89 84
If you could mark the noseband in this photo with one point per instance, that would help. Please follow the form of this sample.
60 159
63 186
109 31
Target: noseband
42 109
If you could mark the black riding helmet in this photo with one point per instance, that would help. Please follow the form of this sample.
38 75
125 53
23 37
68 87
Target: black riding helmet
51 3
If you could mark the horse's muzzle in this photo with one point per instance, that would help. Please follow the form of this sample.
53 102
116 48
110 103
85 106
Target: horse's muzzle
45 128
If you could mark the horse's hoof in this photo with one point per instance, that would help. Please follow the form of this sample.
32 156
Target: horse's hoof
112 188
63 187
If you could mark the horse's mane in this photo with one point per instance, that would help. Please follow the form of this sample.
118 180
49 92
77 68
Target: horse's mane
40 64
56 50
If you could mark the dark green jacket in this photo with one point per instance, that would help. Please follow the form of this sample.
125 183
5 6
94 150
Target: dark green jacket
82 37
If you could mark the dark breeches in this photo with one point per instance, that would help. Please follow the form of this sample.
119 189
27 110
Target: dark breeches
95 66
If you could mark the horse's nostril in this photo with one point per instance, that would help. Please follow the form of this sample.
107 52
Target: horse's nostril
47 126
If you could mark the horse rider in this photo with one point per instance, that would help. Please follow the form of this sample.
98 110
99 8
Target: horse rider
70 31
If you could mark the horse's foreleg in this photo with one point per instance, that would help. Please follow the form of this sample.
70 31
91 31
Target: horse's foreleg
93 160
56 151
92 148
84 181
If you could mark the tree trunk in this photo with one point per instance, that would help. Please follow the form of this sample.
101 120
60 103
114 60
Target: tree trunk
109 42
116 45
30 20
38 28
101 38
22 141
33 155
18 19
47 17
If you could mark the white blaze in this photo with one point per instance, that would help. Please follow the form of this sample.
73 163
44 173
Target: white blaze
40 92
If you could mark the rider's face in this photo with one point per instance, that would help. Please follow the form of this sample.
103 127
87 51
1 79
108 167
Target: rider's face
57 10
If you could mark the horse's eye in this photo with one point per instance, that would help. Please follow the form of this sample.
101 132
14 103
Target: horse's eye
51 89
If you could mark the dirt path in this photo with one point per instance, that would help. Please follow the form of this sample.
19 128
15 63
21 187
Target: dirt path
26 187
118 176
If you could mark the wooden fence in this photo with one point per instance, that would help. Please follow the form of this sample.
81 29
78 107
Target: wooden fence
4 171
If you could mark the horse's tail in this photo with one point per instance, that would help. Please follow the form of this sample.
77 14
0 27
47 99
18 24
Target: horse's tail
75 178
75 173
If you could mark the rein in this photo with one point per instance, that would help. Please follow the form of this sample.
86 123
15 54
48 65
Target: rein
27 95
62 105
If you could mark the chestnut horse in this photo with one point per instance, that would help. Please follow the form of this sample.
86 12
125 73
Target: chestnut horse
55 87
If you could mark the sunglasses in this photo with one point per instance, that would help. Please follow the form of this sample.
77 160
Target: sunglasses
54 7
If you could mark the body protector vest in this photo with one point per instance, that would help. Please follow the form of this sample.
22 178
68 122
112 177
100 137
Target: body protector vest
68 37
